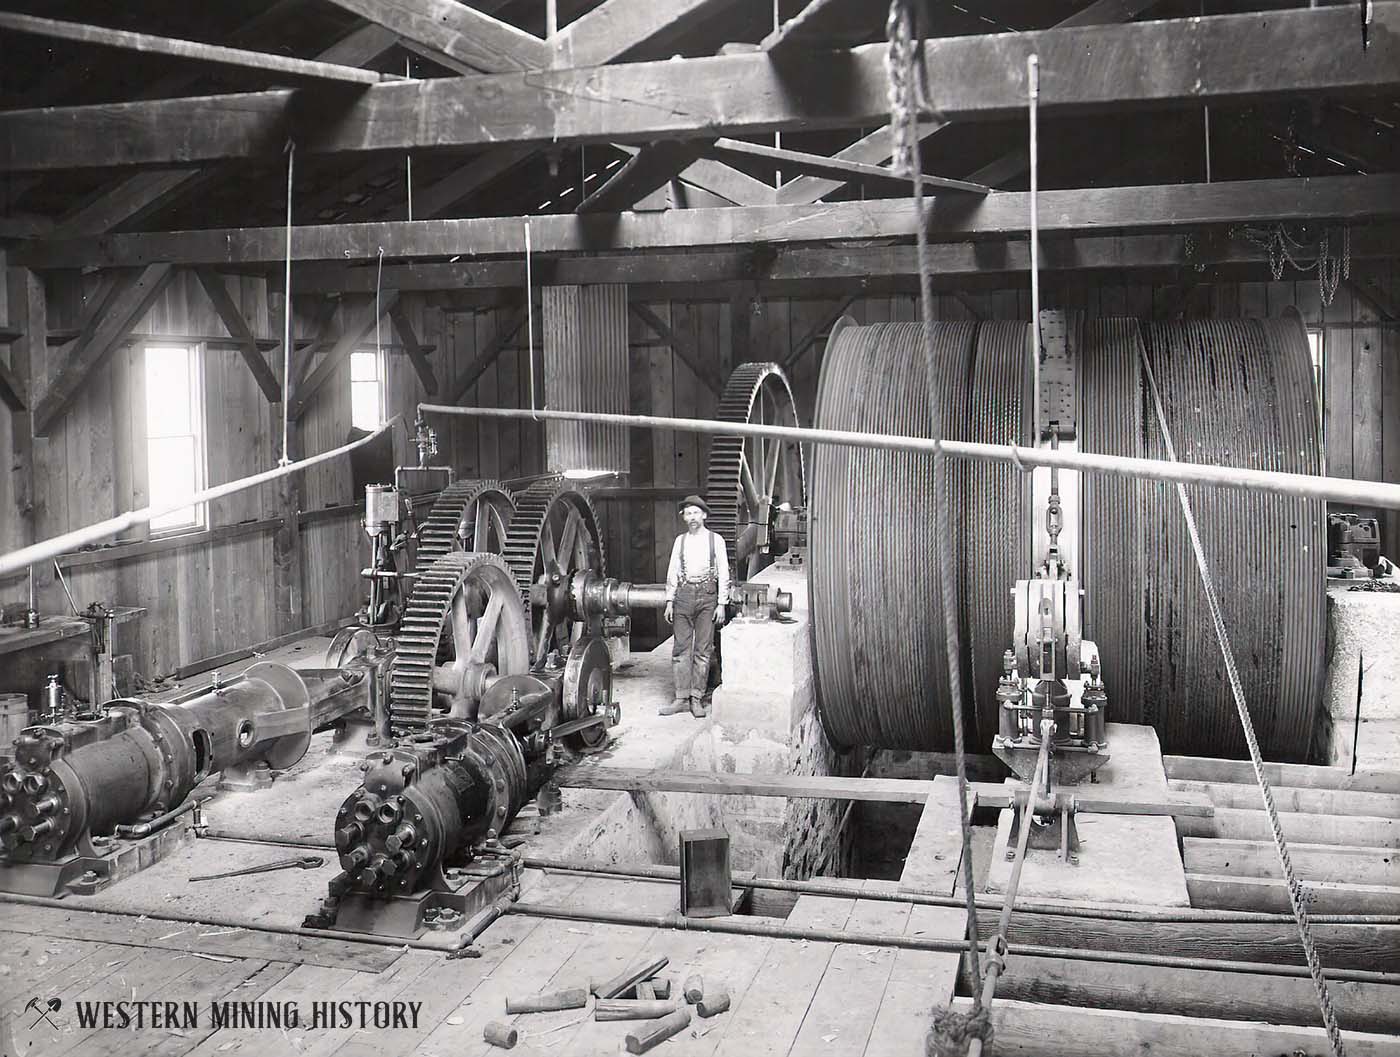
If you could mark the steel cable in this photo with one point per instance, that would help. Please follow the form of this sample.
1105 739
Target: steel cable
1296 896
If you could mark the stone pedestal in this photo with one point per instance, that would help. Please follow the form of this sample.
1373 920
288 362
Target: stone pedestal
1363 678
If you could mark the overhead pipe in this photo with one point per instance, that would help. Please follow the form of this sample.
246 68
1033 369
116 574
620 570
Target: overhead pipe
83 537
1297 485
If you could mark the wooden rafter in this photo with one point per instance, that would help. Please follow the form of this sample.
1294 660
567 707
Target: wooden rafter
606 34
507 330
145 191
1178 61
875 148
651 167
821 24
1080 210
680 345
239 330
817 165
359 319
127 304
592 39
12 393
146 43
457 36
413 349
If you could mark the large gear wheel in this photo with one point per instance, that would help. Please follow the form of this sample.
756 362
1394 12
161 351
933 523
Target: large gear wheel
467 516
464 627
749 477
553 535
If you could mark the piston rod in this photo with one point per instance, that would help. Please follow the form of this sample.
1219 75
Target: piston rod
1298 485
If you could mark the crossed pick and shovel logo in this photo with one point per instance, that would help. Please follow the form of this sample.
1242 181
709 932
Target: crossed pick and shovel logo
43 1009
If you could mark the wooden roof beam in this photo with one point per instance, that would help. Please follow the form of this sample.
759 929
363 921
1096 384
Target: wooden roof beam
1085 69
874 149
150 44
454 35
650 168
817 165
618 28
954 218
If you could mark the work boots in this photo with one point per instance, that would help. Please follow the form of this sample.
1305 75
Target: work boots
674 707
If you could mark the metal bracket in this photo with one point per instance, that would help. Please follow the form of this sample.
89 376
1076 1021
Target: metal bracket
1052 830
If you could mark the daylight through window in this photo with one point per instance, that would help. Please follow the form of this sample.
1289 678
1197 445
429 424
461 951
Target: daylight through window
174 433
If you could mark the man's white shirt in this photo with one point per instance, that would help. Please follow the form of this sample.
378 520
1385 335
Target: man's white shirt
697 561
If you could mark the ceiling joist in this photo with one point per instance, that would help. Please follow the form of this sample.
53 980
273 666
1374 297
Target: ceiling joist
1093 68
454 35
953 217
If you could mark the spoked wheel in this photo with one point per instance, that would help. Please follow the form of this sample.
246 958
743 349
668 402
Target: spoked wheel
463 629
553 536
467 517
749 478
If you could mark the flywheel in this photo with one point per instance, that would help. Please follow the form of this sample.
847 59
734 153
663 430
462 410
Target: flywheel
748 478
553 535
463 627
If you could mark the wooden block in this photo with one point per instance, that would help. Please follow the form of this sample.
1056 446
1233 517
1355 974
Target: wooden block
499 1033
631 1009
646 991
694 989
630 977
573 998
706 882
713 1005
1312 862
657 1031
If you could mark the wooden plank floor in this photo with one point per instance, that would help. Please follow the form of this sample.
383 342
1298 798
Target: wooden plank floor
787 997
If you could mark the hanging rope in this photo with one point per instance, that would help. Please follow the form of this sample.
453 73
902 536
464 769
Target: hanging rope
530 318
379 363
1296 897
908 99
287 313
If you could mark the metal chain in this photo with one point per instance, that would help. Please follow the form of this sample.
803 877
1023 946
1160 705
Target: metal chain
904 63
1297 897
1279 243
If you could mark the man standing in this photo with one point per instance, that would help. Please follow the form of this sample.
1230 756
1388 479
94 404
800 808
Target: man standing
697 591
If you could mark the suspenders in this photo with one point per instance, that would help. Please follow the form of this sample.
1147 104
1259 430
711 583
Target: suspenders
711 574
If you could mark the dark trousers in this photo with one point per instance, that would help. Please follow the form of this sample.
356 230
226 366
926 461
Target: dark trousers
693 628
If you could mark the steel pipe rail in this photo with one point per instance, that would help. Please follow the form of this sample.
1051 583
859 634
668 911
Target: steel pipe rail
1297 485
52 548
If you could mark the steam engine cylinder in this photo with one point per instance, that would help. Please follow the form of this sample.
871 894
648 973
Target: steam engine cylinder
424 803
99 770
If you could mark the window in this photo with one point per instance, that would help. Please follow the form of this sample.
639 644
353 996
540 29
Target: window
367 389
174 433
1316 345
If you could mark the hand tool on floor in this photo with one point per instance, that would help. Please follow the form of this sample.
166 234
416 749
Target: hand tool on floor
305 862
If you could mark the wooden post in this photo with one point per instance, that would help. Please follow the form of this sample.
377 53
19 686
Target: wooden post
28 312
286 542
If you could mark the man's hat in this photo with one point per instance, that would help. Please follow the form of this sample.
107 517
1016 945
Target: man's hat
695 500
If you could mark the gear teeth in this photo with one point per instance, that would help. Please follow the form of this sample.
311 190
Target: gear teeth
437 535
420 631
722 475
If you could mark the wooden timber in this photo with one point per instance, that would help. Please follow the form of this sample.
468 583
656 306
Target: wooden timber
1188 61
1000 214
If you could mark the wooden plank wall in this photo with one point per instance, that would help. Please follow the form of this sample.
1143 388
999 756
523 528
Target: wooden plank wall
213 598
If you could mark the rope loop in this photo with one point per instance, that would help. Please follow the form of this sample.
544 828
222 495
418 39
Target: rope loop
952 1032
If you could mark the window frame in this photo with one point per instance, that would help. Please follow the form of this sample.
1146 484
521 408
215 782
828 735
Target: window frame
381 382
195 350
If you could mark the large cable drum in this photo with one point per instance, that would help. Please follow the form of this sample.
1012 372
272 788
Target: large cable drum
877 623
1235 392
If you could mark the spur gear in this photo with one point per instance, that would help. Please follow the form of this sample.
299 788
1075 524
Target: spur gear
463 628
466 516
553 535
748 477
